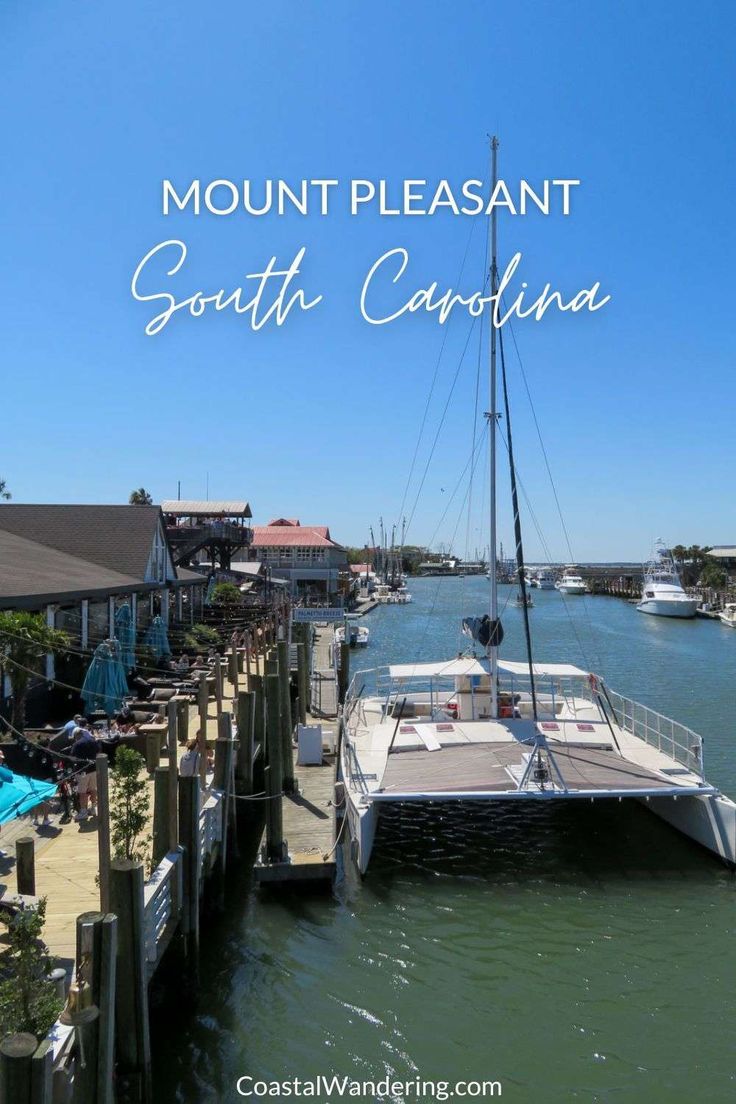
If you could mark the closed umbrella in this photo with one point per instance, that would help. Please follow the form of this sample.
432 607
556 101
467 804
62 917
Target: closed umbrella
156 638
210 591
105 684
125 634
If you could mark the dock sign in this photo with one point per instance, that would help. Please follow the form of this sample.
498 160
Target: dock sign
318 613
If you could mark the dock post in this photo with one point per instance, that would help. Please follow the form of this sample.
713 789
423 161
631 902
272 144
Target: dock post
218 682
160 814
25 865
132 1035
102 768
16 1053
343 674
285 711
274 822
302 679
246 718
88 972
248 648
233 668
42 1072
259 714
153 751
189 795
203 699
182 727
104 998
171 787
223 777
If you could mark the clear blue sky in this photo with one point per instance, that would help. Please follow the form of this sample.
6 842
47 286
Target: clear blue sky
319 419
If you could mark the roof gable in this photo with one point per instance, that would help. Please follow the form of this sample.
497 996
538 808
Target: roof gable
119 538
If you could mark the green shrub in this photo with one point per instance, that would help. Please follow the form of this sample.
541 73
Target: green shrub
28 1000
129 807
226 594
201 637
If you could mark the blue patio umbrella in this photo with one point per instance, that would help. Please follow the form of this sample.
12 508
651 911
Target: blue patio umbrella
105 684
19 794
156 638
125 635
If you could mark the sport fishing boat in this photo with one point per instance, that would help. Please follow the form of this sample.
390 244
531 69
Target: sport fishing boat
481 728
358 635
662 592
571 583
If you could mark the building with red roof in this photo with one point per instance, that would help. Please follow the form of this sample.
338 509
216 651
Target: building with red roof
306 556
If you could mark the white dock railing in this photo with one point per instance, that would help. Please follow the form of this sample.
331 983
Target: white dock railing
210 823
161 891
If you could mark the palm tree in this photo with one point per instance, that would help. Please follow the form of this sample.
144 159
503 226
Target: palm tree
25 639
4 493
141 497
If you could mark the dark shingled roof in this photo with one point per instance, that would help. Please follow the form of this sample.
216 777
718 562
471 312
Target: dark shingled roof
34 571
118 538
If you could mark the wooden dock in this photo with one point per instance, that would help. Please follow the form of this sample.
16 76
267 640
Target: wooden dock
309 828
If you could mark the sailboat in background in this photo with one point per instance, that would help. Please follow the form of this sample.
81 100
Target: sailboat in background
485 729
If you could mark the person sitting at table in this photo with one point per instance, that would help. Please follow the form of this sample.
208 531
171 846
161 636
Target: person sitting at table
64 738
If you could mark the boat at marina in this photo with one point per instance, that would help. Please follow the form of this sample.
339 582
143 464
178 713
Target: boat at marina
728 615
387 595
662 592
484 729
571 582
524 599
543 580
357 635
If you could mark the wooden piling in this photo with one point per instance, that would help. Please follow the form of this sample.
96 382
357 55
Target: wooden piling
223 777
244 762
89 931
259 713
153 751
289 784
42 1071
172 788
343 674
102 769
104 998
132 1034
274 819
218 683
203 699
232 668
182 728
160 814
25 865
302 677
16 1053
189 797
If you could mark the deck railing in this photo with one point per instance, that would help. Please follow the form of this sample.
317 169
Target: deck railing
210 824
668 736
161 893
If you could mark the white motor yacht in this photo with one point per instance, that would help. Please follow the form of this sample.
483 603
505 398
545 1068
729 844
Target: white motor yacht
571 583
662 592
544 580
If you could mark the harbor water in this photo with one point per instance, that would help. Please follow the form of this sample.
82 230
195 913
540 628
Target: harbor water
571 951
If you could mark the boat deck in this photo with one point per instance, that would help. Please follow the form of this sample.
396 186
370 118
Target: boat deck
498 768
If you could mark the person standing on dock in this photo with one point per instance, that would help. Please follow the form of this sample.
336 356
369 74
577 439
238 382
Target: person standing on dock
84 748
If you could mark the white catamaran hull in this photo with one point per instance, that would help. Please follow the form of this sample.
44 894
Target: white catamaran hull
709 820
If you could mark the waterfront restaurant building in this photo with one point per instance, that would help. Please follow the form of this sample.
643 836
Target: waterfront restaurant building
78 564
725 555
306 557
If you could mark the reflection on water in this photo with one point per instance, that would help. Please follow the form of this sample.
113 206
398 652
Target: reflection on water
576 952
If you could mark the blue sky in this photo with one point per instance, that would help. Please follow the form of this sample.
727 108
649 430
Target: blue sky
319 418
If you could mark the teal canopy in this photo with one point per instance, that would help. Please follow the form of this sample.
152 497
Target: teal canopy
105 684
125 635
210 591
156 638
19 794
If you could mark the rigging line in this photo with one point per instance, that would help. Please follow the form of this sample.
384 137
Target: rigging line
472 450
546 549
553 485
517 529
434 379
442 418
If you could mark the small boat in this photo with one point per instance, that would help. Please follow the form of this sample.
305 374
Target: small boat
544 580
357 635
571 583
519 600
728 614
662 592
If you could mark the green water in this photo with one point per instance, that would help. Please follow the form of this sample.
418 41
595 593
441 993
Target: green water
575 953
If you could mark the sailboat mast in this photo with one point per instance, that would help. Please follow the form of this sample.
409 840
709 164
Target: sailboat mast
493 646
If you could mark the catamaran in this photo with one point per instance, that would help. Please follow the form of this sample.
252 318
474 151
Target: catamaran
662 592
487 729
